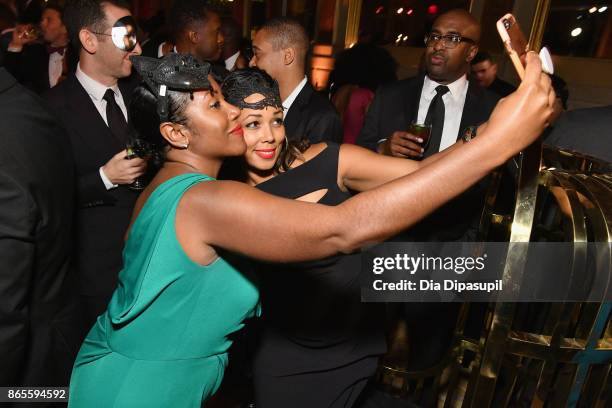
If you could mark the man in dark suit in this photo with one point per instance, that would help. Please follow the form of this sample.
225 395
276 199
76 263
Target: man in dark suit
450 103
584 130
232 54
196 29
484 71
444 99
92 104
41 66
280 48
37 340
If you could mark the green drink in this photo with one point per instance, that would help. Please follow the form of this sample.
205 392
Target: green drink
422 131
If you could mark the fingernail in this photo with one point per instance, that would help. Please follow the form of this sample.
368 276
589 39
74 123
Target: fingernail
420 140
422 150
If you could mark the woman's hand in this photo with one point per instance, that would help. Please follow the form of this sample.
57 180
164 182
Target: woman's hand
520 118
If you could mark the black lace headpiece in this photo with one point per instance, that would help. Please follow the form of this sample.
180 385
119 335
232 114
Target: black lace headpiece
242 83
176 72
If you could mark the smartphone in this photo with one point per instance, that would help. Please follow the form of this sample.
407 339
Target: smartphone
517 46
514 41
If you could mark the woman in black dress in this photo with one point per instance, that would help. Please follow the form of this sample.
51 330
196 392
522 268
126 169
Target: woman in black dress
318 344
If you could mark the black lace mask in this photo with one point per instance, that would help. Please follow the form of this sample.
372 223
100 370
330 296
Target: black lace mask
176 72
235 92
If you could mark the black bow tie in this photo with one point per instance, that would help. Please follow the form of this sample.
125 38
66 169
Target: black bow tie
59 50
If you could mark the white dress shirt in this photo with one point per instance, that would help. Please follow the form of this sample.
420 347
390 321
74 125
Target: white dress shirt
56 66
454 100
231 61
291 98
96 92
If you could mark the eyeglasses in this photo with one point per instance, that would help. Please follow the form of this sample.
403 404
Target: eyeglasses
123 33
448 40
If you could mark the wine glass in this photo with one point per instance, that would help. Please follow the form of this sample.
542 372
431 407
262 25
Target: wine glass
137 147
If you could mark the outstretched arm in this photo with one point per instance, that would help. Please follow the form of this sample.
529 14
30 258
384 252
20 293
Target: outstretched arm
360 169
241 219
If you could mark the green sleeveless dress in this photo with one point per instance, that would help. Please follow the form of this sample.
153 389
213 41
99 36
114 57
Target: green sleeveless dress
163 340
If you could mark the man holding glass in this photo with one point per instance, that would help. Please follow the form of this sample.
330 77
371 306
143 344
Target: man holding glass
442 98
39 57
93 105
415 118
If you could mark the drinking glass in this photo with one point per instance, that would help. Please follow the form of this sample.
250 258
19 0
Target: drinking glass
421 130
136 147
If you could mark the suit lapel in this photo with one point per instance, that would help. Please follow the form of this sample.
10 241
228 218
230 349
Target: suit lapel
45 72
412 97
292 120
92 128
471 108
126 86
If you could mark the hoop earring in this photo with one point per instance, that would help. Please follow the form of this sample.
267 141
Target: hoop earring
286 143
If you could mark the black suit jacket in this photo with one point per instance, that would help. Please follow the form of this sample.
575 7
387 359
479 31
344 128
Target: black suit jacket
31 66
584 130
37 347
394 107
102 216
312 116
501 87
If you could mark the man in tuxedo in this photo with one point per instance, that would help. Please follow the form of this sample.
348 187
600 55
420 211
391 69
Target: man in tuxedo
484 71
196 29
280 48
41 66
92 104
37 339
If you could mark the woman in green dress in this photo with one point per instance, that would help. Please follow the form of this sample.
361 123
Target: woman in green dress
163 340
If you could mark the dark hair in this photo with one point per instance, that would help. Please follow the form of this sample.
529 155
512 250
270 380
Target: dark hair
365 65
231 31
560 87
7 17
53 5
145 120
29 12
239 85
187 13
482 56
89 14
287 32
242 83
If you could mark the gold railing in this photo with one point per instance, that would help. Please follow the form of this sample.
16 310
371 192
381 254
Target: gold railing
567 359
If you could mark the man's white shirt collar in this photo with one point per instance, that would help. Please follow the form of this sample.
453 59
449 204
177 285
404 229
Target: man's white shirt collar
95 89
231 61
291 98
457 89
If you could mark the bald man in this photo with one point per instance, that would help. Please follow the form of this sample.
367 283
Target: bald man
279 48
445 99
450 46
